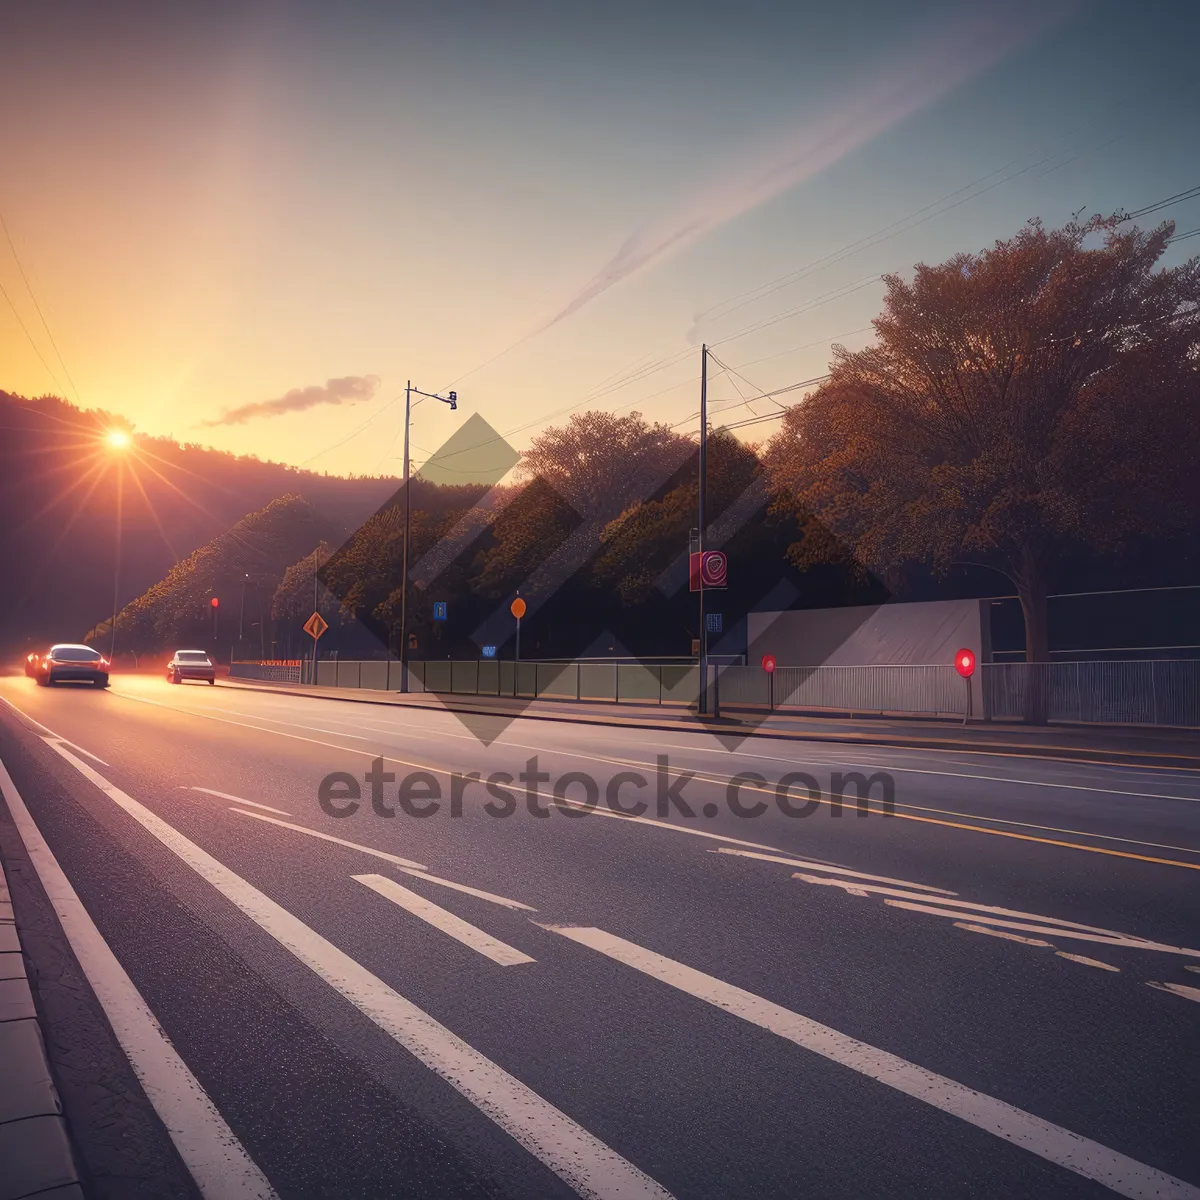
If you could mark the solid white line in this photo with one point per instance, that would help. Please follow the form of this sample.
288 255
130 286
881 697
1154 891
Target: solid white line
1178 989
1123 1175
594 1170
236 799
795 862
1061 931
1087 962
957 905
211 1152
328 837
999 933
478 893
440 918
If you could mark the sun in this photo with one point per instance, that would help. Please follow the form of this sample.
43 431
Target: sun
118 439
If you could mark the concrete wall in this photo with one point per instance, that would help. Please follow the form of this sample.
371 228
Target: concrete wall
924 633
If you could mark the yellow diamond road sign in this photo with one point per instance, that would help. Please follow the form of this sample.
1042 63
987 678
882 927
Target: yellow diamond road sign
315 625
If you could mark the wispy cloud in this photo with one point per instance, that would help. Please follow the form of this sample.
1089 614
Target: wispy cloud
957 52
348 390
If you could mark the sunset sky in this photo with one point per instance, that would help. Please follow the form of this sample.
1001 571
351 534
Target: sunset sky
247 225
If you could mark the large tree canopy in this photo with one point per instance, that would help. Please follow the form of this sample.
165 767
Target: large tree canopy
1039 398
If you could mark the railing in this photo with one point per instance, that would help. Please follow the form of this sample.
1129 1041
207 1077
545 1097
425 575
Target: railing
269 672
1114 693
1153 692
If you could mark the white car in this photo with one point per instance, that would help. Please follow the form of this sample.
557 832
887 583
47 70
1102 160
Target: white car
191 664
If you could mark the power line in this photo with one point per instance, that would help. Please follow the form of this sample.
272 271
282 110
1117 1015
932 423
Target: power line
41 315
28 335
1178 198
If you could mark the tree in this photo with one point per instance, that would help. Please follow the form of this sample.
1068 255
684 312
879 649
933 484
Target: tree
1038 398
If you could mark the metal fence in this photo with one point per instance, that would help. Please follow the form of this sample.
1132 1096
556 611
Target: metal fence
1112 693
1158 692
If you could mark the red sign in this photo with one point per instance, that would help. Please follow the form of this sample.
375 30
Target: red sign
964 663
711 566
517 608
768 663
214 602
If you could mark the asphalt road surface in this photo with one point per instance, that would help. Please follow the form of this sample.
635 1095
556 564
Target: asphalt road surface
991 992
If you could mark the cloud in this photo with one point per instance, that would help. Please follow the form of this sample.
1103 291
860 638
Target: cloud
975 42
348 390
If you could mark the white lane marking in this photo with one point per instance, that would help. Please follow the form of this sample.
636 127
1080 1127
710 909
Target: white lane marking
1087 962
210 1150
478 893
796 862
1191 967
668 825
1178 989
1061 931
999 933
441 918
329 837
88 753
958 905
236 799
620 762
1120 1174
843 762
594 1170
699 747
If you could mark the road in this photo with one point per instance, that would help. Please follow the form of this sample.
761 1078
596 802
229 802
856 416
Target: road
990 993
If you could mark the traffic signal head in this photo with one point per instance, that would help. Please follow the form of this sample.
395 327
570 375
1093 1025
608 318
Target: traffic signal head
453 401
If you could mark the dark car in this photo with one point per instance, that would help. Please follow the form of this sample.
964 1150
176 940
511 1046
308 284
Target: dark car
191 664
79 664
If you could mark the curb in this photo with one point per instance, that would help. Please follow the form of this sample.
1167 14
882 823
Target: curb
34 1146
1122 758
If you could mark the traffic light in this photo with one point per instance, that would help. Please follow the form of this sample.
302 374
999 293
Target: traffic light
214 607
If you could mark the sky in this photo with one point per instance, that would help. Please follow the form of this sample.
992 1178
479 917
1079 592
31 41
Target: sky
248 225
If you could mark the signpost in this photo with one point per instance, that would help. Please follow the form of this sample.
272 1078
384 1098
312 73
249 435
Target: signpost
714 622
314 627
964 664
708 567
489 652
768 665
439 610
518 610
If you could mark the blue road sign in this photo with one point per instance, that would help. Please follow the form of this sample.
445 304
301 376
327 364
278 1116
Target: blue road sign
439 610
714 622
489 652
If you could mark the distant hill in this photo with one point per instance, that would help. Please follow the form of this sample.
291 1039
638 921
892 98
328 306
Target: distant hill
58 501
241 567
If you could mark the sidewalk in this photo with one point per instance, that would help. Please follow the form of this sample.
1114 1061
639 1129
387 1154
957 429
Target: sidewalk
35 1155
1121 745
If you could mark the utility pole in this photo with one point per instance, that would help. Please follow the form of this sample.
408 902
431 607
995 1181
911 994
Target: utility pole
242 612
112 650
701 490
452 400
316 641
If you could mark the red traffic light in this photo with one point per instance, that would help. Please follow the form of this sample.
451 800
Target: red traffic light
964 663
215 602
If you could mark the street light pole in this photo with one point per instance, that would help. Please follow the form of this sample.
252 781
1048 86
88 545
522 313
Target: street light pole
112 649
702 488
452 400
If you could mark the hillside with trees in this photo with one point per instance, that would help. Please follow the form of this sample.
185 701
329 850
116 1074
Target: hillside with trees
59 492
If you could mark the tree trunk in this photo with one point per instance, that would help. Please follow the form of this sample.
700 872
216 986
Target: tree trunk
1031 589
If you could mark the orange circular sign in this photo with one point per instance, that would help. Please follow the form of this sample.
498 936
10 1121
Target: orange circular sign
517 608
